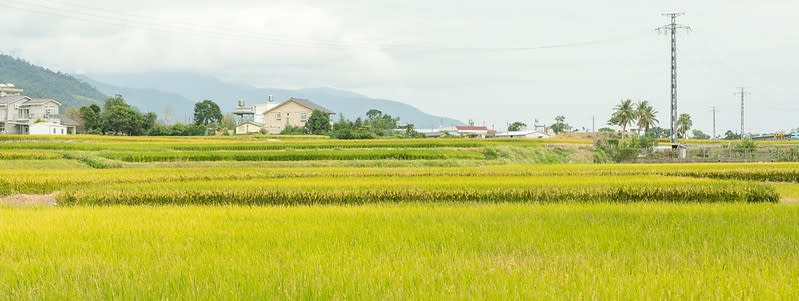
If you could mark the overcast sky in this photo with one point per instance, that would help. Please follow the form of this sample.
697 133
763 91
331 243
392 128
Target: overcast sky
480 60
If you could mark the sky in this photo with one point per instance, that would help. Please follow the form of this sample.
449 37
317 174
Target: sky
493 62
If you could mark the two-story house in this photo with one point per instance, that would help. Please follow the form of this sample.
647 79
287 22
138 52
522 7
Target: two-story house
20 114
293 112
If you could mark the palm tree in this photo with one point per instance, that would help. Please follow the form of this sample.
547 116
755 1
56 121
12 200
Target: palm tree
684 124
646 116
624 114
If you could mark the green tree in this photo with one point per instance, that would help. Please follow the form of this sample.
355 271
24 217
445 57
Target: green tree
560 125
623 115
92 121
207 112
228 122
698 134
117 100
647 116
730 135
684 124
373 114
120 120
517 126
318 123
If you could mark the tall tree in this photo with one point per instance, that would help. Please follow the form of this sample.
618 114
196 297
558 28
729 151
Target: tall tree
516 126
623 115
647 116
207 112
560 125
318 123
92 121
684 124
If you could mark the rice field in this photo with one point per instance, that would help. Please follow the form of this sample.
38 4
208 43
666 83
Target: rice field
260 217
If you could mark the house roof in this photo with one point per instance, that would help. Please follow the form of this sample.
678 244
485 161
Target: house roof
303 102
471 128
67 121
34 101
10 99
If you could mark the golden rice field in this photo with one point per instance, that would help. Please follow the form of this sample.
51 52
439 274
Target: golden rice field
262 217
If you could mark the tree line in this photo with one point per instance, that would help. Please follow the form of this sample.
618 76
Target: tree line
117 117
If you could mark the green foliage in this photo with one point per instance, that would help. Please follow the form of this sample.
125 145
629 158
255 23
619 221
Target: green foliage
179 130
377 124
684 124
698 134
560 125
206 113
624 115
789 155
646 115
293 130
318 123
730 135
745 147
619 149
92 120
40 82
517 126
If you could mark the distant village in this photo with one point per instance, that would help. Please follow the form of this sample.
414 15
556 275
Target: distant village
20 114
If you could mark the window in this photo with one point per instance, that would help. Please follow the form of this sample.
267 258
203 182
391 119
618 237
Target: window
304 117
49 111
54 132
278 116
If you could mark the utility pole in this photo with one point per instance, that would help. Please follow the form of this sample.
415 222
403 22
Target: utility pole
743 94
593 124
672 29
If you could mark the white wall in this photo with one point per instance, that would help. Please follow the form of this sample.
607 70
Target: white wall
43 128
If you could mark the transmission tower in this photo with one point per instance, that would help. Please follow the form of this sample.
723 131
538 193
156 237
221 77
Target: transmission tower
714 124
672 29
743 93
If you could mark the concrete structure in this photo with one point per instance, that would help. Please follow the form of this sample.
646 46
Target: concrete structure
249 127
473 131
523 134
293 112
21 114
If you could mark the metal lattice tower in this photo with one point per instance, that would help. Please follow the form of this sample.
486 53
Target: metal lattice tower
743 95
714 123
672 29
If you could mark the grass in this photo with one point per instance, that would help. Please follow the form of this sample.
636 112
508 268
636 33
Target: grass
410 251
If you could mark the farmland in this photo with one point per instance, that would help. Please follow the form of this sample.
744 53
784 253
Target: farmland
310 218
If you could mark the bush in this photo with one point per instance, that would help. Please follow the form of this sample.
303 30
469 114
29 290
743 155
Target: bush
618 149
293 130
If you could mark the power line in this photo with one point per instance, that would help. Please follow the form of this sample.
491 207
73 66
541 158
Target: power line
93 15
672 29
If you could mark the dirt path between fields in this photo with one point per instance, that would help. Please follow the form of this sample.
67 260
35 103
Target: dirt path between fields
28 200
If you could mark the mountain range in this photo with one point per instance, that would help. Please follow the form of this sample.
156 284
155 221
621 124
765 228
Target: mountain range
172 94
182 90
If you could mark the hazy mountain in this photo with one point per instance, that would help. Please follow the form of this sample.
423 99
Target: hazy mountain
194 88
169 106
40 82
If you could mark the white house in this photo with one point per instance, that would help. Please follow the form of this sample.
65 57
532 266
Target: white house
21 114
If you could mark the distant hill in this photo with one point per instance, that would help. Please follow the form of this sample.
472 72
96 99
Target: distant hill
195 87
177 107
41 82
